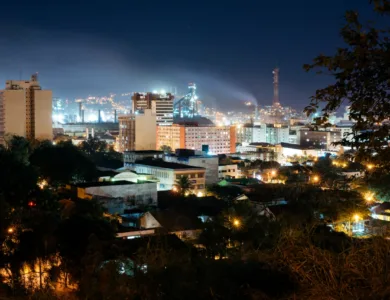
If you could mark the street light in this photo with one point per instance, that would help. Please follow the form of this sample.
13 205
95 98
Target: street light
370 166
10 230
356 217
273 172
316 179
236 223
369 196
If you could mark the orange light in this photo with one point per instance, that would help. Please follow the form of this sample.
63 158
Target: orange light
10 230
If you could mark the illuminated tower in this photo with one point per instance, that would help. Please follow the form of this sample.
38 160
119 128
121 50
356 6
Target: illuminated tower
276 87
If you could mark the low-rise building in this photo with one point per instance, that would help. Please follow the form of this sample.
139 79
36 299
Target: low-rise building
197 159
168 173
228 171
320 139
285 151
130 157
116 196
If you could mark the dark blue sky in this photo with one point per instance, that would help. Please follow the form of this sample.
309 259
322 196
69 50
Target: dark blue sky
228 48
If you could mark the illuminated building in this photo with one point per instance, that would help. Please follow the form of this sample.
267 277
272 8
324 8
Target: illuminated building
168 173
160 103
202 160
219 139
321 139
137 131
26 110
264 133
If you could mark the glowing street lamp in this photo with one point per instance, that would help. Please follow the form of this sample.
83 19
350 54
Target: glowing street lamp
273 173
10 230
316 179
236 223
369 196
356 217
370 166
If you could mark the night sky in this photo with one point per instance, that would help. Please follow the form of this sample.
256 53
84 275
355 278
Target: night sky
228 48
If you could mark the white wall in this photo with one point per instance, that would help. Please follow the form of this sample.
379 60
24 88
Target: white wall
145 131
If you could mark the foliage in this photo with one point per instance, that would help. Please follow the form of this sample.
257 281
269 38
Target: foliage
360 70
93 145
327 172
166 149
62 163
183 185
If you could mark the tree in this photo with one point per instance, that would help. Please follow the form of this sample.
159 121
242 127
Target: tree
166 149
62 163
183 184
361 73
93 145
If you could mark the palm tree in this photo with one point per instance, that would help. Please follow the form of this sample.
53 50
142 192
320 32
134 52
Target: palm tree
183 185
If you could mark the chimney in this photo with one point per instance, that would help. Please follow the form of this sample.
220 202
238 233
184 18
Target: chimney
115 116
99 117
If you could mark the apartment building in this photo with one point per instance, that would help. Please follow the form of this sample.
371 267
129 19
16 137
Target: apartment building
26 110
161 104
218 139
137 131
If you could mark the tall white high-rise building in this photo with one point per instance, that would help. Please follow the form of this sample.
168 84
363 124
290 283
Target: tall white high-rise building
26 110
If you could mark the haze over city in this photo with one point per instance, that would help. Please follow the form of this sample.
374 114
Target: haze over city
229 49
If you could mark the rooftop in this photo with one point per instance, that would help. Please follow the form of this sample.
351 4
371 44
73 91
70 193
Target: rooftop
298 147
166 165
145 152
107 183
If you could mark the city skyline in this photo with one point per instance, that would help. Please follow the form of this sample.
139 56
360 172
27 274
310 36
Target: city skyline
228 51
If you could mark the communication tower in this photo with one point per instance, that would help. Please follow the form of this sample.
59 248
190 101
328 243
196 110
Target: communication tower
276 87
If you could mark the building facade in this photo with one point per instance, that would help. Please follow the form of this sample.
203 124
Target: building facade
137 131
168 173
26 110
209 162
264 133
160 103
320 139
219 139
228 171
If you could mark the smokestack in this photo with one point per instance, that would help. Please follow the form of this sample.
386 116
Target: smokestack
82 116
80 111
99 118
276 87
115 116
93 132
87 132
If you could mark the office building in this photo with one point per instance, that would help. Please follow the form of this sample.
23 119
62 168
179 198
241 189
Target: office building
216 139
160 103
137 131
26 110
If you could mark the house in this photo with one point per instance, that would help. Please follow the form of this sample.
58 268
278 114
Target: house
185 226
381 212
116 196
227 171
